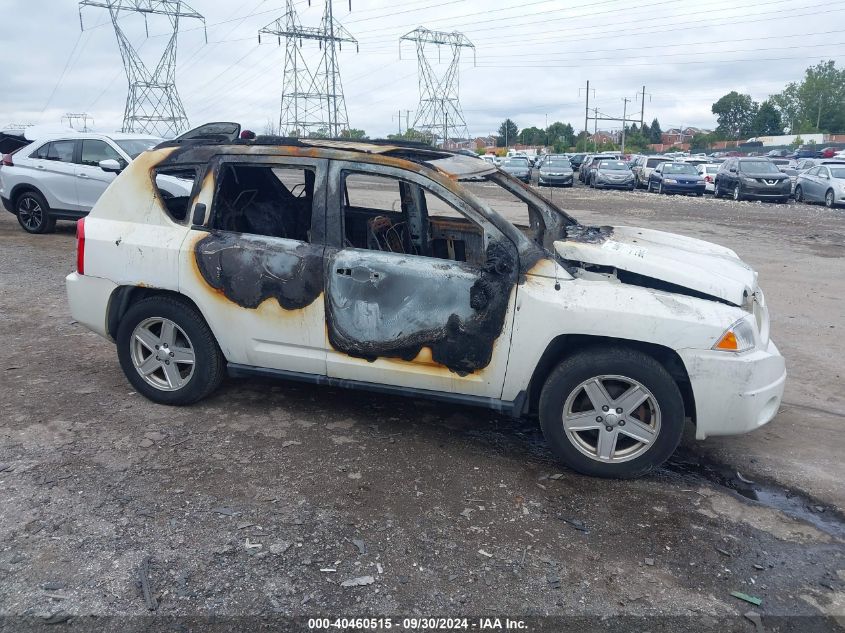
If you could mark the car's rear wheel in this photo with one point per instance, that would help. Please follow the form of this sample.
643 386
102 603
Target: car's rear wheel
799 194
829 200
611 412
34 213
168 352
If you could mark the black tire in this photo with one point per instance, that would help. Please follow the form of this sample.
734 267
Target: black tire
209 365
738 193
799 194
829 200
660 188
33 213
611 361
717 192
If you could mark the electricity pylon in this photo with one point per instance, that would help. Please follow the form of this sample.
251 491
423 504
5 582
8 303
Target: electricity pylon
153 105
312 97
439 110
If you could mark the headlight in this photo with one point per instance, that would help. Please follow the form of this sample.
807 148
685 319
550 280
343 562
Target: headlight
751 180
670 180
737 338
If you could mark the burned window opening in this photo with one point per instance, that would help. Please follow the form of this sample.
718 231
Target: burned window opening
175 186
267 200
384 213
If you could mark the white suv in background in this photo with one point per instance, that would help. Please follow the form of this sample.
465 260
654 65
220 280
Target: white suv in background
61 177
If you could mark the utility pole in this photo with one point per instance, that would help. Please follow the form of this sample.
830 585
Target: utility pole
596 130
407 120
439 105
624 116
312 101
153 105
587 114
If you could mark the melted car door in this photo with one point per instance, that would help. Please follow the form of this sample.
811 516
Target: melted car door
255 266
419 288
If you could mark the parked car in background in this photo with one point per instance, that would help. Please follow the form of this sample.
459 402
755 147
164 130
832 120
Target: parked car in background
785 162
828 152
643 167
294 260
518 167
576 160
824 183
612 174
676 177
556 170
708 171
588 166
778 153
61 178
758 178
805 152
793 176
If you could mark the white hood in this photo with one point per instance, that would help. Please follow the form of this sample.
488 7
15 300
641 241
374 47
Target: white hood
684 261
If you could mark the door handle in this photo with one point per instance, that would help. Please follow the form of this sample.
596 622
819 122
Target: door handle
82 175
39 167
359 273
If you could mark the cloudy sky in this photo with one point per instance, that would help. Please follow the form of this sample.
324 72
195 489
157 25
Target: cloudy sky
532 58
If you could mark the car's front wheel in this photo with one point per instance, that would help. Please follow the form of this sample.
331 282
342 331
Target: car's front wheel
168 352
737 193
34 213
660 188
829 200
611 412
799 194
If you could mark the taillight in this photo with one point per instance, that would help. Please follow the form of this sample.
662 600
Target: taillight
7 160
708 179
80 246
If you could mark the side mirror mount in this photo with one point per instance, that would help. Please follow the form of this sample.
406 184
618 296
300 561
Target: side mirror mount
198 217
111 166
733 170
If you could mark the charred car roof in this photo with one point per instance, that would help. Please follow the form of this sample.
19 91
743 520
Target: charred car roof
452 165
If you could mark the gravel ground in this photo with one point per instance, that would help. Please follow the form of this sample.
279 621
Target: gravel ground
267 498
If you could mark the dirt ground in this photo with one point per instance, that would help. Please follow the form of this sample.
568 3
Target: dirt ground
264 499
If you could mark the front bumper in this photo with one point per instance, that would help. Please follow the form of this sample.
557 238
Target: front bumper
548 179
734 393
678 188
766 191
89 298
615 184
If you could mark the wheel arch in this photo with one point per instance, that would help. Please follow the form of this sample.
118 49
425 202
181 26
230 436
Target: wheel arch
123 297
22 188
566 345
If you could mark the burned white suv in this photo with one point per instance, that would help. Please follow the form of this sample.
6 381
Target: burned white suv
404 269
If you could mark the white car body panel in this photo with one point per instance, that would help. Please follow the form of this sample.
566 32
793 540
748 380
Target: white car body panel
132 241
701 266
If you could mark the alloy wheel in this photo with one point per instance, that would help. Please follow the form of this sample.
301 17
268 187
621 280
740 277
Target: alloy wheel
828 199
737 193
162 354
30 213
611 419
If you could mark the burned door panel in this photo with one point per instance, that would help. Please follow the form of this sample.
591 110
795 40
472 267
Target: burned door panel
249 269
389 305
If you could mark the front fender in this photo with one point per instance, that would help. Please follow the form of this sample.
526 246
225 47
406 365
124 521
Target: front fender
606 308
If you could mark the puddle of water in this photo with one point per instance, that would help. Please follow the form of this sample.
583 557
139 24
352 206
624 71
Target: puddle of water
769 494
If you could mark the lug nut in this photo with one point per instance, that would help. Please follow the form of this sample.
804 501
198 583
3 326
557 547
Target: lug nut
167 362
156 346
608 428
599 418
619 410
172 354
605 408
621 422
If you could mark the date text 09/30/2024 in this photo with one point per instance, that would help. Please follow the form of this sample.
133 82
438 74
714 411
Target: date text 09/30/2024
418 624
